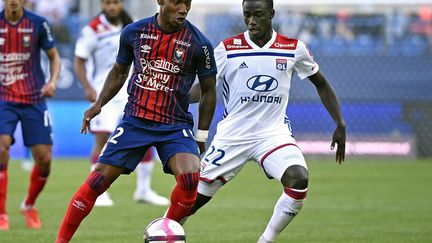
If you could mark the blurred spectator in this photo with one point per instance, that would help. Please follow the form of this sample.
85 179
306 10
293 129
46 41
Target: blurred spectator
395 27
342 28
55 11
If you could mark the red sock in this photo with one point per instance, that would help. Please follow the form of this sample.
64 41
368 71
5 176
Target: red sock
81 205
183 196
38 180
3 188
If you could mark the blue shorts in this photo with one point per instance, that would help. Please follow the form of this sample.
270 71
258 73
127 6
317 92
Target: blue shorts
34 118
134 136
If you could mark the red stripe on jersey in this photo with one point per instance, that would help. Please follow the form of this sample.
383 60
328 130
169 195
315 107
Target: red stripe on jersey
236 43
284 43
96 24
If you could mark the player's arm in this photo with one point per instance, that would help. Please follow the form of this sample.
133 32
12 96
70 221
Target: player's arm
113 83
207 105
49 89
195 94
331 103
81 72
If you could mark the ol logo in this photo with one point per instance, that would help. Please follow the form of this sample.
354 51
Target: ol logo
281 64
262 83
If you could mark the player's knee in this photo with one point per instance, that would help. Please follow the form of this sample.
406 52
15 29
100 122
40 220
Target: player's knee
43 159
4 150
296 177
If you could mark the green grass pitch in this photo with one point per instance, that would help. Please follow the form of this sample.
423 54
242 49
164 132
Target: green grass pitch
360 201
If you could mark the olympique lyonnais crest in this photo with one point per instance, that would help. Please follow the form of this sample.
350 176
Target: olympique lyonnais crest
26 40
178 56
281 64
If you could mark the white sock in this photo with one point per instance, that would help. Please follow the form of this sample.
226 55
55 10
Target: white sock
285 210
143 181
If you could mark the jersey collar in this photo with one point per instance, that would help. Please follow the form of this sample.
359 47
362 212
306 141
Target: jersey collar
255 46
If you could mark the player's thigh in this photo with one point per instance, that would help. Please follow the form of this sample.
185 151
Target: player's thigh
277 154
36 125
125 147
9 118
108 119
178 152
224 162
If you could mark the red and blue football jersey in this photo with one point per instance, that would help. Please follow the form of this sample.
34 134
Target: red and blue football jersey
21 76
165 66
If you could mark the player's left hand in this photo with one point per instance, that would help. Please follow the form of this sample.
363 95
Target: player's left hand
49 89
339 138
201 146
93 111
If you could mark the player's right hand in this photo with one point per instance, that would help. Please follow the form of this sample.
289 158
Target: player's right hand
93 111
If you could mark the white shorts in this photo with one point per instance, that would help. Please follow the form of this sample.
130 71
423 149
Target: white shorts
109 117
223 162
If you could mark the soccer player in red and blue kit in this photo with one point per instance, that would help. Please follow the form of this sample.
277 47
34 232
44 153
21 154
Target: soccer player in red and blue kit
22 99
167 53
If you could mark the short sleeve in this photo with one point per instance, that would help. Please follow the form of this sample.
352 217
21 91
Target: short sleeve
305 65
86 43
46 40
206 65
125 53
221 60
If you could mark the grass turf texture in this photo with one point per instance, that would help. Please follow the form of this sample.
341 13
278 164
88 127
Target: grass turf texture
360 201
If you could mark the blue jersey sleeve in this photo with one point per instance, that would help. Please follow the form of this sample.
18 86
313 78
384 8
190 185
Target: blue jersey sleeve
206 61
46 40
125 53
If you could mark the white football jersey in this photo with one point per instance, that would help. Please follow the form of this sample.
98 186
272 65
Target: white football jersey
98 43
256 83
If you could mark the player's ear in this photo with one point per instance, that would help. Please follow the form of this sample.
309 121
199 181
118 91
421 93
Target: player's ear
160 2
272 13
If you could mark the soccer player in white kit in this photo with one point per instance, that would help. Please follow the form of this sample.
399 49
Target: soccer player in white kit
255 70
95 53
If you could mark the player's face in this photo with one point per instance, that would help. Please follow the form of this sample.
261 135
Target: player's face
112 8
258 16
13 5
173 12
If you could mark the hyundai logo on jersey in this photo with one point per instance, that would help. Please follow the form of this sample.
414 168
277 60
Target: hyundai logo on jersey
262 83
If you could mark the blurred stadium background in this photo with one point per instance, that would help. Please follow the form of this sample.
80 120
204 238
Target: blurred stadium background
378 56
376 53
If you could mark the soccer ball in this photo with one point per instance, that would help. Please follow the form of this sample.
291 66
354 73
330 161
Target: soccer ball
164 230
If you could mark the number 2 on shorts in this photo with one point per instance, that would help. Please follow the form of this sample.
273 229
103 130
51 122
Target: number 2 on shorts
115 136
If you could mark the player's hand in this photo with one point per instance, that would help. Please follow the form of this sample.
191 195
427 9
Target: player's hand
93 111
49 89
90 94
201 147
339 138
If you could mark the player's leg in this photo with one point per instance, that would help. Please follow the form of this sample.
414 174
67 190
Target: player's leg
42 155
85 197
185 167
143 191
104 200
220 164
120 156
5 142
37 134
27 163
287 164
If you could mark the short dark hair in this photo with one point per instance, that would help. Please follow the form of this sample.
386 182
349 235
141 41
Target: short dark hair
268 2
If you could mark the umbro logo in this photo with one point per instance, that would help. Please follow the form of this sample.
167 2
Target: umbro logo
145 49
243 65
78 204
